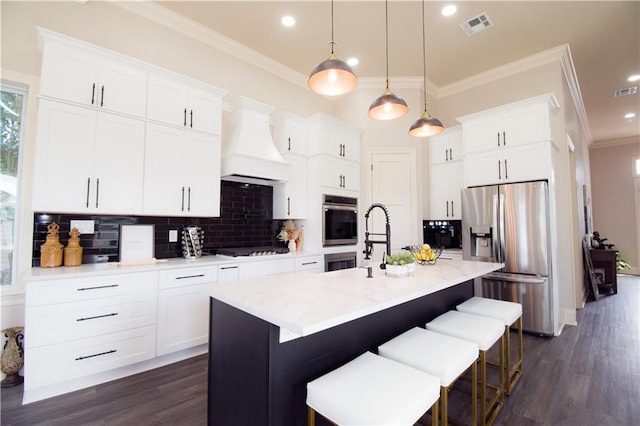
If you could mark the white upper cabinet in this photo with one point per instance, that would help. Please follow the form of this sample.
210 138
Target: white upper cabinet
326 135
289 133
87 161
183 103
290 197
84 76
446 147
181 173
512 125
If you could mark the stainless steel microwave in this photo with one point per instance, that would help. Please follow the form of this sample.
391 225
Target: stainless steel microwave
339 220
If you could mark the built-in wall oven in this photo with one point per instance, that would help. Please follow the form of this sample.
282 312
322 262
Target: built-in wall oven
339 220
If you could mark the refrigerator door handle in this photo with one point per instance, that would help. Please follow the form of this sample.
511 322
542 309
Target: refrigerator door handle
516 278
496 227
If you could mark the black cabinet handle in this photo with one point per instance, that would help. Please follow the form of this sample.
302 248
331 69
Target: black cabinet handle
289 139
506 171
98 287
97 191
93 94
189 199
504 138
446 155
186 277
498 135
309 263
452 213
88 189
102 96
185 118
288 206
229 267
191 119
97 317
94 355
450 153
499 171
182 208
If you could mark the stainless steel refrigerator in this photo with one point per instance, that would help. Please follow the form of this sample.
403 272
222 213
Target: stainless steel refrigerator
510 224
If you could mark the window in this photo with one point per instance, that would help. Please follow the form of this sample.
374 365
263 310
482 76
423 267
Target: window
12 103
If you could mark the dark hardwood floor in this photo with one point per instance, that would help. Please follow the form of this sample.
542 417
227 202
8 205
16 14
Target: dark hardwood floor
589 375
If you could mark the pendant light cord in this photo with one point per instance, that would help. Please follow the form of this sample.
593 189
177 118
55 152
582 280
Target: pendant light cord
332 39
386 30
424 57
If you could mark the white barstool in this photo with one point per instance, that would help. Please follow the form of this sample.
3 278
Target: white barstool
443 356
485 332
372 390
509 313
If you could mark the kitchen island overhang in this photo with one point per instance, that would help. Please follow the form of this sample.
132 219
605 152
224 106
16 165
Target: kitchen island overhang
269 337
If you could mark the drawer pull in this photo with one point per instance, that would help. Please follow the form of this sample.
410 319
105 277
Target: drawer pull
98 316
190 276
97 287
308 263
229 267
94 355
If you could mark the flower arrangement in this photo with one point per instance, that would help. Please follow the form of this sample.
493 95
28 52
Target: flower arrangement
400 259
292 235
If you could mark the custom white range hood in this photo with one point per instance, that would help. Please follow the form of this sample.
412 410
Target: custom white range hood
249 154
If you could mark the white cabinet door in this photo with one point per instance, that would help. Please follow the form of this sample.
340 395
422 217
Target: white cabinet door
523 163
176 103
290 198
446 183
446 146
228 273
182 173
89 79
289 133
119 159
264 268
328 136
64 158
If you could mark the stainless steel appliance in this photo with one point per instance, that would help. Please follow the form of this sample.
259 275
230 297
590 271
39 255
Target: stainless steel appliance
510 224
337 261
339 220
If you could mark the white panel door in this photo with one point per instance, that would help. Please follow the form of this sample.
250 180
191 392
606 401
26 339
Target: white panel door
393 185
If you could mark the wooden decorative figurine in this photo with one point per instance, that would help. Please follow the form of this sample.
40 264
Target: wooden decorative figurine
51 250
73 251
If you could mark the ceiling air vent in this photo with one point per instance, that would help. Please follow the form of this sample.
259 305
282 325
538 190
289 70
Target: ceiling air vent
476 24
625 92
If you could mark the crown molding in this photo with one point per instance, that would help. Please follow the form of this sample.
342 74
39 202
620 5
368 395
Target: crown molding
203 34
630 140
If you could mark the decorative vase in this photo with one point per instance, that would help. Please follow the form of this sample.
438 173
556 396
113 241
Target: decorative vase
299 239
51 250
397 271
292 246
12 357
73 251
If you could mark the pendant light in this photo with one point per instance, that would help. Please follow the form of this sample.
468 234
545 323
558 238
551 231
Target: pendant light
388 106
332 77
426 125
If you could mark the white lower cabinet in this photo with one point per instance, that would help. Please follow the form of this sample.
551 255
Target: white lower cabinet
183 308
79 327
264 268
310 264
228 273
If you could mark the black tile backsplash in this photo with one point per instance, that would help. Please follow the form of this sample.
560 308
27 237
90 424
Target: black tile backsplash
245 221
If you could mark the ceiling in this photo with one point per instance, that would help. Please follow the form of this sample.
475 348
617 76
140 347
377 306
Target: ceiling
603 36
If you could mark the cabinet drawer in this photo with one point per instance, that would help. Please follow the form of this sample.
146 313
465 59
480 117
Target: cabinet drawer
310 263
265 268
62 322
50 364
188 276
76 289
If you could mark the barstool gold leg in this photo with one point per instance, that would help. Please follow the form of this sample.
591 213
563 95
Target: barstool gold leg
311 417
474 393
507 354
483 384
434 413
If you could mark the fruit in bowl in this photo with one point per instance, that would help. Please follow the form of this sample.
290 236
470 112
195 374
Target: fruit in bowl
425 254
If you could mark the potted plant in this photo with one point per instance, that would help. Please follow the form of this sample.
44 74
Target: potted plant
399 264
621 264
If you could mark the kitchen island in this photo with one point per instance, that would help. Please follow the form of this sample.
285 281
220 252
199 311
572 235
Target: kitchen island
269 337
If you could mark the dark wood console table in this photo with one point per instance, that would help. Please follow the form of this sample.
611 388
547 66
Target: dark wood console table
605 260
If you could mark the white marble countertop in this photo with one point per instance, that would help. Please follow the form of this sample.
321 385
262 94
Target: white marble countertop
94 269
306 303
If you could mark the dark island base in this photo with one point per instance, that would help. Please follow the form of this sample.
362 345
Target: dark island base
255 380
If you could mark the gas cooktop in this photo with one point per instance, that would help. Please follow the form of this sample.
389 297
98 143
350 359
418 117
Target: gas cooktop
252 251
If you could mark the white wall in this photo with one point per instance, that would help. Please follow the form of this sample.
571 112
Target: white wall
613 197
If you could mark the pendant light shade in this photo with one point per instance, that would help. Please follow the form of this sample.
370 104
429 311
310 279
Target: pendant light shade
426 125
332 77
388 106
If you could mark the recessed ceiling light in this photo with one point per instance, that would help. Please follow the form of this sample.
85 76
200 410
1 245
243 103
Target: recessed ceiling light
288 21
629 115
635 77
449 10
353 62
